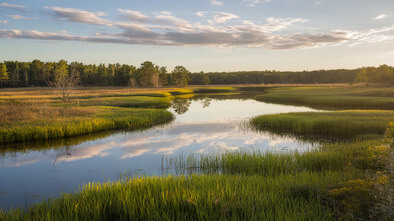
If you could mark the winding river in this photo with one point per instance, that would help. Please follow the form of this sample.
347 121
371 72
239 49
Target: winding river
203 124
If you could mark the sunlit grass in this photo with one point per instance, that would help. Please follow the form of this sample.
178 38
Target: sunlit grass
239 185
214 90
130 101
214 197
339 124
331 97
67 125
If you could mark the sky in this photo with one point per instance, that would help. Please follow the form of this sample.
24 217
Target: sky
201 35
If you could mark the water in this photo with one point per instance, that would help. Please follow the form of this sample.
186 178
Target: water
205 124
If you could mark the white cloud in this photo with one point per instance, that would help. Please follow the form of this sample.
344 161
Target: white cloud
379 17
222 17
214 29
3 21
371 35
278 24
14 7
214 2
18 17
166 18
252 3
134 15
81 16
217 17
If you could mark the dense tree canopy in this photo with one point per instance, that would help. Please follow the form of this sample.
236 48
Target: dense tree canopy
3 73
35 73
384 74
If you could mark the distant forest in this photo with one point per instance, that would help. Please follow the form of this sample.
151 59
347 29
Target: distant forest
38 73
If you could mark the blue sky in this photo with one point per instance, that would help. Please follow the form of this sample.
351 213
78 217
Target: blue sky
202 35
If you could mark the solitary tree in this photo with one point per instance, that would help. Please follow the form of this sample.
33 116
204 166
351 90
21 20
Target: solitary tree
3 73
64 80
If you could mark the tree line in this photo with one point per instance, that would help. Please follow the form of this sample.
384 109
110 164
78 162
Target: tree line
38 73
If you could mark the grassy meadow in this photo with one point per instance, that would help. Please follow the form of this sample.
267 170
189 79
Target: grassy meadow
347 180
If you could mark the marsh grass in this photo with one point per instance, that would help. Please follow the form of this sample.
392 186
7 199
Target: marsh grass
214 90
340 124
103 118
331 97
181 91
130 101
327 158
323 184
203 197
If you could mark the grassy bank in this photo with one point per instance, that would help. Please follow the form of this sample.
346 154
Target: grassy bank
136 101
337 181
38 122
332 97
340 124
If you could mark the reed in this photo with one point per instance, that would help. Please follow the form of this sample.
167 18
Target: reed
338 124
204 197
319 184
324 159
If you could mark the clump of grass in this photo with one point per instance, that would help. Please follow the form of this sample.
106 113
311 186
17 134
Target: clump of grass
214 90
130 101
330 97
339 124
327 158
104 118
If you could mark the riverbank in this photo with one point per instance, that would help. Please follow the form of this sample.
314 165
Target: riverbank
336 181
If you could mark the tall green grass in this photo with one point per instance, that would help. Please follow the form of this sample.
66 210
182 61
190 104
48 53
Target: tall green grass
214 197
339 124
331 97
322 184
105 118
324 159
130 101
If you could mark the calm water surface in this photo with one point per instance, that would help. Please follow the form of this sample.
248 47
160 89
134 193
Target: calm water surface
205 124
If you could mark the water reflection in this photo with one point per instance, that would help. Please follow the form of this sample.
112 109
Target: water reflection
180 105
203 124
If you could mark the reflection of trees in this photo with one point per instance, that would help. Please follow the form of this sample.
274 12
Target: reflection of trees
180 105
206 102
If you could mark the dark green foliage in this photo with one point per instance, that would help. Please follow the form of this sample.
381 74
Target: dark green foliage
383 75
275 77
145 76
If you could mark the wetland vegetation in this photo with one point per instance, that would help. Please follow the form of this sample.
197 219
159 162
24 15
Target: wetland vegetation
349 179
